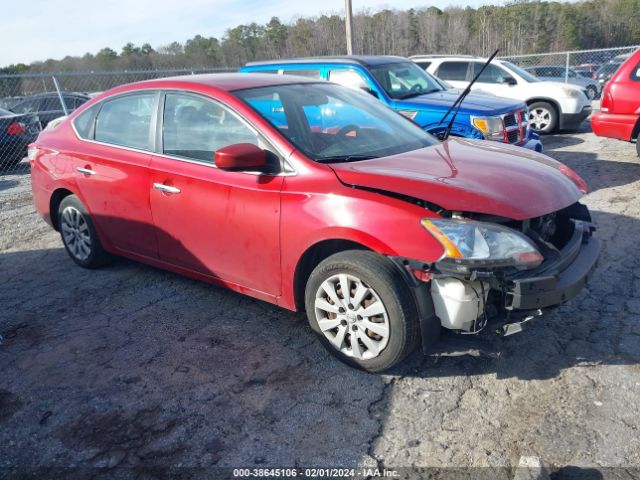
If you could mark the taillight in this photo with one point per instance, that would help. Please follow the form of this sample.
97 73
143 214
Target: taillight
32 151
575 178
606 104
16 128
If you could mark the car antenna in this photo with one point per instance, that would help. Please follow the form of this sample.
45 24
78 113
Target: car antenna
462 96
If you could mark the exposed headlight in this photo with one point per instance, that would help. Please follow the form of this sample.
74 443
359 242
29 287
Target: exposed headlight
570 92
491 127
410 114
473 245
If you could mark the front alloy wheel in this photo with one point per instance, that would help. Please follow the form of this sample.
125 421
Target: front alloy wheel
542 117
352 317
362 309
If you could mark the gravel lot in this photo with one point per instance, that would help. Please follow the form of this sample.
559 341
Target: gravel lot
135 367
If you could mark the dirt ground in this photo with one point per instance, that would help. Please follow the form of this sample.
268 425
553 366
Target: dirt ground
130 367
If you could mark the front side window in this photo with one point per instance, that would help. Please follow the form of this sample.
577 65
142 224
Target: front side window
329 123
522 72
423 64
126 121
404 80
195 127
492 74
635 74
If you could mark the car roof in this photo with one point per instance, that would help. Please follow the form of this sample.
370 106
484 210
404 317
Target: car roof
364 60
228 82
434 57
54 94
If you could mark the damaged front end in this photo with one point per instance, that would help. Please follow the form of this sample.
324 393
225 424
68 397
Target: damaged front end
498 268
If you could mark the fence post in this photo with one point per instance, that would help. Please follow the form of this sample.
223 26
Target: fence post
566 70
60 96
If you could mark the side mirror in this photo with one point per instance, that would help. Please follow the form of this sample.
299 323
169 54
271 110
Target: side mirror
240 156
509 81
369 91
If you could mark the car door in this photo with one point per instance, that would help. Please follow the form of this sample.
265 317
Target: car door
111 169
224 224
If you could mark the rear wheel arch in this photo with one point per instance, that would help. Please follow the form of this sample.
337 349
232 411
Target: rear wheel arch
636 129
54 203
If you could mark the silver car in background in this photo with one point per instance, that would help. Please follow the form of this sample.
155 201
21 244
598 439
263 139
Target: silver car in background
560 73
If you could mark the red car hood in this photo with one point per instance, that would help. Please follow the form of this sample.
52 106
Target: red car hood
472 176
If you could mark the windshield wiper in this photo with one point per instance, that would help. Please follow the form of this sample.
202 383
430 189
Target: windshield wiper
416 94
462 96
346 158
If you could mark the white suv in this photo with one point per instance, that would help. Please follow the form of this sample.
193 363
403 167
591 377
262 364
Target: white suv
552 105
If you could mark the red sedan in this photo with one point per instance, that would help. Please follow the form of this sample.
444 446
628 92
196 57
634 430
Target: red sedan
619 115
318 198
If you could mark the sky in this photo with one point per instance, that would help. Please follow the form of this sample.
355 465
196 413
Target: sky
35 30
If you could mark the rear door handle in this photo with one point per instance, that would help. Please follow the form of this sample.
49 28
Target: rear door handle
86 171
166 188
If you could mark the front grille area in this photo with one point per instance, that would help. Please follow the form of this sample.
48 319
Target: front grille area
515 126
513 136
510 120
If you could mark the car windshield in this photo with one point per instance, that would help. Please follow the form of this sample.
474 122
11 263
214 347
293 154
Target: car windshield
404 80
521 71
330 123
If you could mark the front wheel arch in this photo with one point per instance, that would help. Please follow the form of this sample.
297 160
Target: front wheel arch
54 204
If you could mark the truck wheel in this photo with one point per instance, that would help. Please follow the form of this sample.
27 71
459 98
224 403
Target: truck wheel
543 117
592 92
78 234
362 310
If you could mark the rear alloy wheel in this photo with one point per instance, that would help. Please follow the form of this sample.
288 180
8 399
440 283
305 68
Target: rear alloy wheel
78 234
592 92
543 117
362 309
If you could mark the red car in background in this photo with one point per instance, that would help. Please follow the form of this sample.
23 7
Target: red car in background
316 197
619 115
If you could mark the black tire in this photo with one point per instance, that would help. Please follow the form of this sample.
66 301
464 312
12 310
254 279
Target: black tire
384 280
638 144
592 92
543 108
70 209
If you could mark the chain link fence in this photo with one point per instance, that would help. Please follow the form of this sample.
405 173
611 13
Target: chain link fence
28 102
590 69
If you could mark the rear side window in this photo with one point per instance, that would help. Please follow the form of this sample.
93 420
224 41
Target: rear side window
28 106
456 71
84 123
424 65
126 121
348 78
635 74
303 73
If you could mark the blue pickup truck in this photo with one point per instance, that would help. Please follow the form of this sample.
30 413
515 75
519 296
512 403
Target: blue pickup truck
422 98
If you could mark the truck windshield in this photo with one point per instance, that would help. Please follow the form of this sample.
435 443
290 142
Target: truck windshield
330 123
405 80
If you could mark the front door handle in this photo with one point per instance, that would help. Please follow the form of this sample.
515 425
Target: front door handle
86 171
166 188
